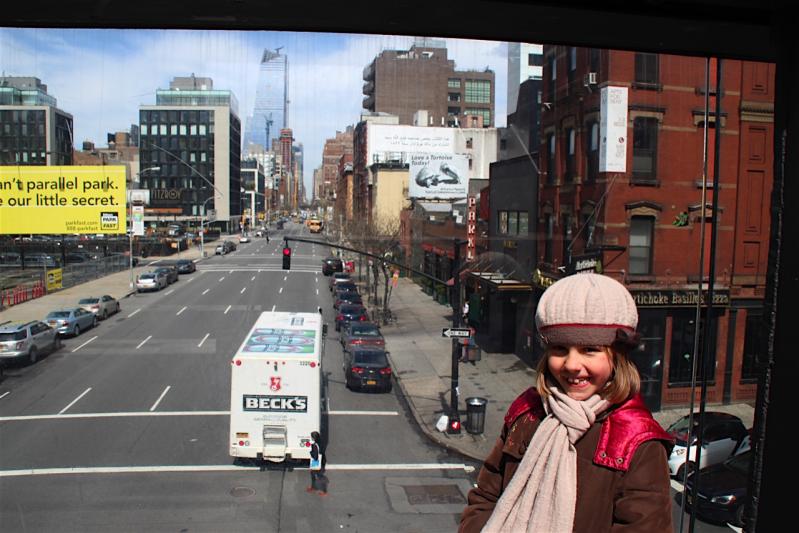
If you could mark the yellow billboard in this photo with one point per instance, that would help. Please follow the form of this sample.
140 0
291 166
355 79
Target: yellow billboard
68 199
54 279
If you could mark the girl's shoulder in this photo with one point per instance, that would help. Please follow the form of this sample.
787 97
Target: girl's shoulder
529 402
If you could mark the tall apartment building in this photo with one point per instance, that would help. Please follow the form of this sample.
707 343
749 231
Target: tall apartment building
270 113
191 143
402 82
525 62
645 224
334 148
33 130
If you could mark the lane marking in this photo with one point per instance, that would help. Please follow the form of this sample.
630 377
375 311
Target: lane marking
242 290
130 414
84 344
253 278
206 291
145 340
676 485
285 278
202 341
273 307
160 397
73 402
226 468
169 292
6 393
133 313
280 291
317 292
223 277
228 309
184 308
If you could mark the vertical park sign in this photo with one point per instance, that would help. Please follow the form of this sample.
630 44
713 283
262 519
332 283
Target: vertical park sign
65 199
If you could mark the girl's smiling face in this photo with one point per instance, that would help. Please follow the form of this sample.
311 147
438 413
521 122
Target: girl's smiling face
581 371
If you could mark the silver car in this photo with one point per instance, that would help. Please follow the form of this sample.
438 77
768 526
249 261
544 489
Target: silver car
71 321
102 306
28 340
151 281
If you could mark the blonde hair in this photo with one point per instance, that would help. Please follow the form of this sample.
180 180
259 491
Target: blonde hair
624 381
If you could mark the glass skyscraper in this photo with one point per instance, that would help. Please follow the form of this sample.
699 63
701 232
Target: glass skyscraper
271 101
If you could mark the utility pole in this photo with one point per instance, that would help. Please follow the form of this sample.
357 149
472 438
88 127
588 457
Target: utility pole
454 425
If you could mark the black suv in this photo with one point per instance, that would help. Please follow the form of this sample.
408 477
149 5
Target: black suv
331 265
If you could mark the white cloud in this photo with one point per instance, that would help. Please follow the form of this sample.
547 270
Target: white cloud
102 77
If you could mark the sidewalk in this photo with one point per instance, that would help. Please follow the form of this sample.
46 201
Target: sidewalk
421 359
116 285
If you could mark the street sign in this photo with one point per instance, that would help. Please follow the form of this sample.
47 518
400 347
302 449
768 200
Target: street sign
456 332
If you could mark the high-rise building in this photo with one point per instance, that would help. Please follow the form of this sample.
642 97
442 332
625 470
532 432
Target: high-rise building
33 131
525 62
402 82
331 157
190 143
270 114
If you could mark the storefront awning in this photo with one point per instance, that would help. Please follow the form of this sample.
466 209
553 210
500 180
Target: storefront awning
501 282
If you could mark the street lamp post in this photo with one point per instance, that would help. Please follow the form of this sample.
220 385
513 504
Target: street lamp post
130 232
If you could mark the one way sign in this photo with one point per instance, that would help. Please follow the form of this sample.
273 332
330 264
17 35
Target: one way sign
456 332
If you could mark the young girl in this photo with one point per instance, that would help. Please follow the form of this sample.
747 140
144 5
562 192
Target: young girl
580 451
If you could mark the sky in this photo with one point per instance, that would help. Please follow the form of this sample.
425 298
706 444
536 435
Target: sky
101 77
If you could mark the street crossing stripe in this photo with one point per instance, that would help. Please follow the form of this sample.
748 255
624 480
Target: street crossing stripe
225 468
169 413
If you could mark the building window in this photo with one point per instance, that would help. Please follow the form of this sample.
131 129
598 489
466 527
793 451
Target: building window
454 83
646 69
503 223
535 60
549 220
485 113
551 174
567 238
523 223
570 171
683 329
572 63
645 143
478 91
592 152
593 59
553 76
513 222
641 245
753 344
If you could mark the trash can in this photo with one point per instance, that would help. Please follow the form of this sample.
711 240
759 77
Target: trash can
476 415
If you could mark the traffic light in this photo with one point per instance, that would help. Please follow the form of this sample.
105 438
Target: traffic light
286 258
454 424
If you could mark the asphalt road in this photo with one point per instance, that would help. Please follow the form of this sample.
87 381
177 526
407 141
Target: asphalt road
126 427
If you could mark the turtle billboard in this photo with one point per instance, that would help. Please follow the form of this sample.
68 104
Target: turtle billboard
438 176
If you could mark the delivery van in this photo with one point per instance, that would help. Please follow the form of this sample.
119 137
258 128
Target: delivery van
276 388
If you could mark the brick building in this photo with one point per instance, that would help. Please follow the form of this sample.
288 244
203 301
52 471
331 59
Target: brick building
646 224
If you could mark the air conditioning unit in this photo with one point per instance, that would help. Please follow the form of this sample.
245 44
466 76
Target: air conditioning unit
589 79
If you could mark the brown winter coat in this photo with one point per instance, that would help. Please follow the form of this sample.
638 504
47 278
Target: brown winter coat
608 500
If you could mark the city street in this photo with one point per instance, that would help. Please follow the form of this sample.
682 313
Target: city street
126 427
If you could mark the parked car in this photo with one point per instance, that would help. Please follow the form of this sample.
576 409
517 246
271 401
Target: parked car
344 286
27 341
361 334
185 266
102 306
39 259
351 313
171 273
367 368
346 297
71 320
151 281
339 277
10 258
244 239
331 265
723 490
723 433
77 257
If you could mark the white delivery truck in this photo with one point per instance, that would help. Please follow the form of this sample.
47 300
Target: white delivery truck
275 388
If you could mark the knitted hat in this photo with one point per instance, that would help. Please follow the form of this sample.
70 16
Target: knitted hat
585 309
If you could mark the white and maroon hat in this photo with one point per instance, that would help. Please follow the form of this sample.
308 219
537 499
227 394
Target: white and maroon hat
585 309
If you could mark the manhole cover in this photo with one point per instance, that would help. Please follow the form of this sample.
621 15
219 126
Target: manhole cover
241 492
433 495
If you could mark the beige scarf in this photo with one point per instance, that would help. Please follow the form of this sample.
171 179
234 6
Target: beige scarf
542 495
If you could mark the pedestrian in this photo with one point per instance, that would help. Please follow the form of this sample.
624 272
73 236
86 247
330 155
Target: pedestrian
317 466
578 452
465 312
